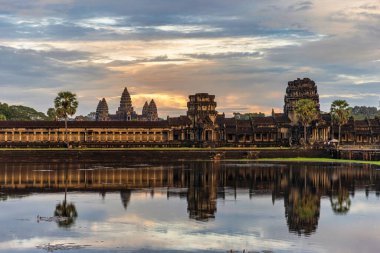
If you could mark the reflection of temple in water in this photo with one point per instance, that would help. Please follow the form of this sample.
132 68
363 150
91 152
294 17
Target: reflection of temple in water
301 187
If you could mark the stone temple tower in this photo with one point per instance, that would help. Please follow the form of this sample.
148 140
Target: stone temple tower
125 110
149 111
152 111
201 106
102 111
145 110
297 90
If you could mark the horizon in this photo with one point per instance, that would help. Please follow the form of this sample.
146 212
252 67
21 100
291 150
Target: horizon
243 53
113 110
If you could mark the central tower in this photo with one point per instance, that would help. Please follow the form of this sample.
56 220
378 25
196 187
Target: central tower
125 110
297 90
201 110
200 107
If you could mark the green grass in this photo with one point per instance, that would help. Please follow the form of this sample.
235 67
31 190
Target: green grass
315 160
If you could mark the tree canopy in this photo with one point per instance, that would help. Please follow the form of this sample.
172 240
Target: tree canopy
19 112
362 112
340 113
306 110
52 114
65 104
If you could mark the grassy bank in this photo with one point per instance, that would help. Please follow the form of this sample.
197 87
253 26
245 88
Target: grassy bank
316 160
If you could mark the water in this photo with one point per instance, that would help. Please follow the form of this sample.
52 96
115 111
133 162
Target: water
189 207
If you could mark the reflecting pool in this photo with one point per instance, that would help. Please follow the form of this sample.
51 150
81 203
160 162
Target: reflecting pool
189 207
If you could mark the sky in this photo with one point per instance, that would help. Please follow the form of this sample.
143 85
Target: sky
243 51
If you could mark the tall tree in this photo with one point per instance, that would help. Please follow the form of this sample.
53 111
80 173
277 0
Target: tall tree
66 105
52 114
2 117
306 110
340 112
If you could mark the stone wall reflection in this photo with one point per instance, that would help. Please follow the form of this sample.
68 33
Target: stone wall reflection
300 187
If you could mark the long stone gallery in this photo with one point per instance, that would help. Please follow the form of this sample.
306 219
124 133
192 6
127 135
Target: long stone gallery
202 126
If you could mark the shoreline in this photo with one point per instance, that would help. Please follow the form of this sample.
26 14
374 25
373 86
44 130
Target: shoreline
151 154
317 160
107 155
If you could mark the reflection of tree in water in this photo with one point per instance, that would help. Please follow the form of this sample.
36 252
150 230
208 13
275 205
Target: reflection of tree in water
125 196
66 213
340 202
302 204
302 211
340 198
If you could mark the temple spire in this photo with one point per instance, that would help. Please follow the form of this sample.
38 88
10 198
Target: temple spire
102 111
125 110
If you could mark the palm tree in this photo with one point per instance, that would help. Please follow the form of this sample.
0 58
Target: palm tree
306 110
66 105
340 112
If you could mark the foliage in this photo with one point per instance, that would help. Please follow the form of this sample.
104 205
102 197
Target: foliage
65 104
306 110
362 112
89 117
19 112
52 114
247 116
2 117
340 113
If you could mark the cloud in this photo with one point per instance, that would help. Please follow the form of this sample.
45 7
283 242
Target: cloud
228 55
301 6
157 59
246 49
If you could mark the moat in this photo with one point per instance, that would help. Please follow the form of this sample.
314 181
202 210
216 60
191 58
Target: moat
189 207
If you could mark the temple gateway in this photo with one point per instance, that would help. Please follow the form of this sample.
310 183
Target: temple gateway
202 126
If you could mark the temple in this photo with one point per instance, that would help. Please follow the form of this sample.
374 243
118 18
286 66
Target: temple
125 112
202 126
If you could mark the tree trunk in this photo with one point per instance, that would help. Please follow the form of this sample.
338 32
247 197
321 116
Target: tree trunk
305 134
340 126
66 132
